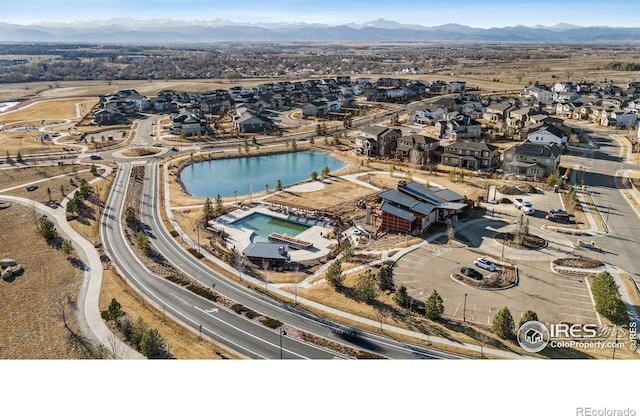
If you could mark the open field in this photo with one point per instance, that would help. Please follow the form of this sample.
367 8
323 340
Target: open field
32 305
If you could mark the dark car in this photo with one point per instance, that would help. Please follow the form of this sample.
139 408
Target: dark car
472 273
558 217
558 211
31 188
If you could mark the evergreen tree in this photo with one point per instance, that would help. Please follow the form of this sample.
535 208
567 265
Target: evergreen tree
143 242
607 297
152 344
138 330
67 248
503 324
385 282
366 288
434 306
314 175
115 310
130 217
529 315
219 206
278 185
334 274
207 209
47 228
93 169
401 298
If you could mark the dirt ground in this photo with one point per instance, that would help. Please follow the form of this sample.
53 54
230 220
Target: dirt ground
32 305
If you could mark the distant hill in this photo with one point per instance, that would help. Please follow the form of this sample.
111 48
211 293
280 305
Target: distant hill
168 31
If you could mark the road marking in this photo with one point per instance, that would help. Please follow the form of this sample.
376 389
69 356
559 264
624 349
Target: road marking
574 294
575 307
456 311
574 301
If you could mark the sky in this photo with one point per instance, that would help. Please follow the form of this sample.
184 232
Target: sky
474 13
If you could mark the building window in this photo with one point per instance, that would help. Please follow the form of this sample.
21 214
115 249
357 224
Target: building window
446 159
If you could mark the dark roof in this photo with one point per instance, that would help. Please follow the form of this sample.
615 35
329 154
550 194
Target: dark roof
262 250
403 200
475 146
397 211
537 149
422 192
448 195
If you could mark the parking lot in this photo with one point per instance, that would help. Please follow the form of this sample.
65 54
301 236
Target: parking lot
554 297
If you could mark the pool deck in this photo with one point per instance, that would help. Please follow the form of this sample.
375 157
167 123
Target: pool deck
240 237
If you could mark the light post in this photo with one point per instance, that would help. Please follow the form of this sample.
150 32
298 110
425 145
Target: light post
464 309
197 229
282 332
235 197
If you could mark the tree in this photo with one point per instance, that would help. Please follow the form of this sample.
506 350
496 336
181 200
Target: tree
278 185
294 145
434 306
346 248
85 189
67 248
130 217
62 191
401 298
554 179
137 331
529 315
207 209
314 175
152 344
366 289
522 229
607 297
312 141
324 172
219 206
385 282
93 169
503 324
266 187
47 228
336 139
19 157
334 274
318 129
49 193
143 242
114 312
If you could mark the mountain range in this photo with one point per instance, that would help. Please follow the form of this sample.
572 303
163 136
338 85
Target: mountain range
169 31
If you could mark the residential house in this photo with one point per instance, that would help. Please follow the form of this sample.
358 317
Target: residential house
249 121
188 124
472 155
534 160
106 116
498 112
547 134
315 109
423 146
378 140
458 127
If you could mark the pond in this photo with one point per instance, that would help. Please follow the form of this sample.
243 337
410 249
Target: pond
248 175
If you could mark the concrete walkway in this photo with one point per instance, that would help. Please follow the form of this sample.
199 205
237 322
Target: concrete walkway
89 318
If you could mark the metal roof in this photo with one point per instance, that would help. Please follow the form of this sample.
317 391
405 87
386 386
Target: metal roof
397 211
267 251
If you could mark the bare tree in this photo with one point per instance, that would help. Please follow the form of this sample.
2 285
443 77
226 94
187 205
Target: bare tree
239 263
265 267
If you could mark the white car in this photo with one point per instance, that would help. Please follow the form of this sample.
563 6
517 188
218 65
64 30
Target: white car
485 264
527 208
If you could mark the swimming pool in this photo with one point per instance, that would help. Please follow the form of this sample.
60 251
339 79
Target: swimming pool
263 225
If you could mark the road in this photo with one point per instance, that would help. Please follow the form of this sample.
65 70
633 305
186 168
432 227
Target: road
619 245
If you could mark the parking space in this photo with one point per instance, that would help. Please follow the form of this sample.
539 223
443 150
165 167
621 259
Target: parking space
555 298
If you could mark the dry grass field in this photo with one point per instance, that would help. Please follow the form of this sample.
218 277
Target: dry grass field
32 305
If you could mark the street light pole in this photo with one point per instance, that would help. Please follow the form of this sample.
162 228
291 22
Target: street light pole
464 309
282 332
235 197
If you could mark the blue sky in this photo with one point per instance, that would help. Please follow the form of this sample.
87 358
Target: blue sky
475 13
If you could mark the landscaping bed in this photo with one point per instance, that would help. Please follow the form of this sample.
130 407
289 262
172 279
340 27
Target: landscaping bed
528 242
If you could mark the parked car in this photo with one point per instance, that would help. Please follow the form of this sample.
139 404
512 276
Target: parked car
157 145
518 202
558 211
527 208
95 157
558 217
175 149
31 188
485 264
471 272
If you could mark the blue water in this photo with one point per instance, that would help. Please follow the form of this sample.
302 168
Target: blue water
263 225
224 176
